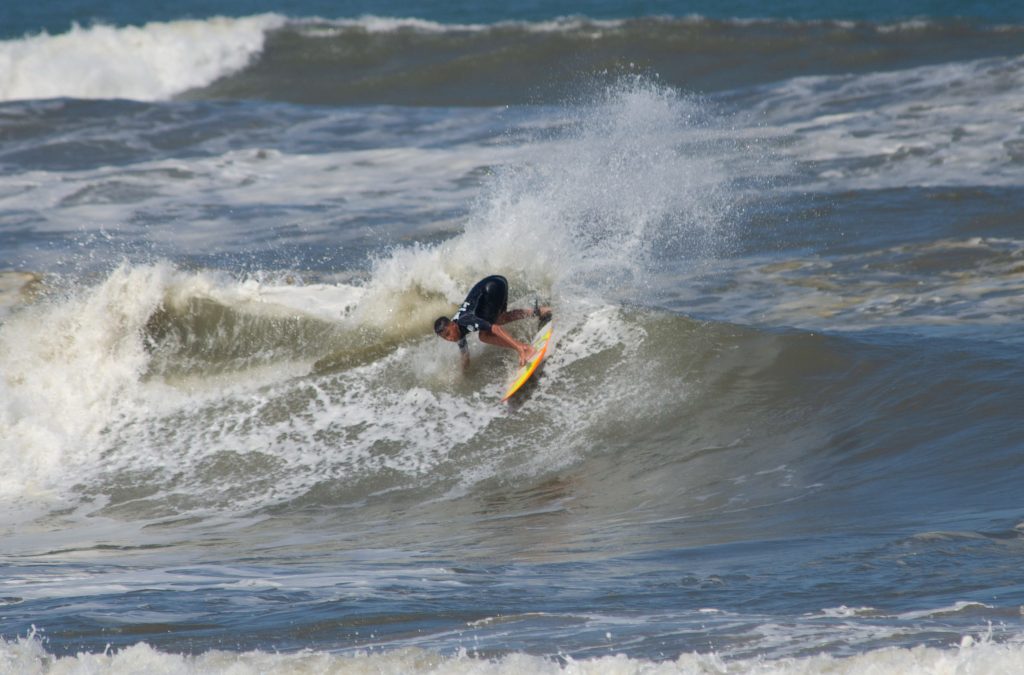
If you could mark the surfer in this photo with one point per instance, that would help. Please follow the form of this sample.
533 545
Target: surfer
484 311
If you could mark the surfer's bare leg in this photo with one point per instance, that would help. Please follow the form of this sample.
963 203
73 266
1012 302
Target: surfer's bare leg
499 338
513 315
517 314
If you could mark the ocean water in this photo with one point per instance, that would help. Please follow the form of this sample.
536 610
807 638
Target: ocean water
780 430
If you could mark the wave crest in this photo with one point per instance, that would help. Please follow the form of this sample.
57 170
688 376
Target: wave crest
147 63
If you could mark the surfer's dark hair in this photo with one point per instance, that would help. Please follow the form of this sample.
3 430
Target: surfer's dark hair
441 323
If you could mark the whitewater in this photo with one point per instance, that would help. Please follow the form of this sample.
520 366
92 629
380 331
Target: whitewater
778 431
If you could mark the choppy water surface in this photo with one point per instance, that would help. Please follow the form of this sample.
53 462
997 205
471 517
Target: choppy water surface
780 429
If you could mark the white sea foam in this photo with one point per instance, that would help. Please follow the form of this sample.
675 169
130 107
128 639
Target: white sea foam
216 203
888 286
947 124
15 289
74 366
76 404
64 370
152 62
370 23
28 656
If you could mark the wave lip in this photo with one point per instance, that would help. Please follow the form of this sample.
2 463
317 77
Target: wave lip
148 63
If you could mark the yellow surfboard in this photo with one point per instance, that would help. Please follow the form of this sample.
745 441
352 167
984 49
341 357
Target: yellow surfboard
540 343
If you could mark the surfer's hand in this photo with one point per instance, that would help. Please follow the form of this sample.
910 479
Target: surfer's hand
543 313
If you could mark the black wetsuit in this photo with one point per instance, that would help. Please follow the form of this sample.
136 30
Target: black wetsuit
487 300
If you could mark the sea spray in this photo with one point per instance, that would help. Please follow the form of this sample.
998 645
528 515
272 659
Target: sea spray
637 176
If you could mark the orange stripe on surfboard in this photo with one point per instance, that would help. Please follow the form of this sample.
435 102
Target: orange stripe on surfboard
540 343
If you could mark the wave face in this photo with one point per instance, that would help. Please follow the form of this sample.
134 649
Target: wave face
408 61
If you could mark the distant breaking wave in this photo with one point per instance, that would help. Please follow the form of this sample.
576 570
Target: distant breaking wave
148 63
413 61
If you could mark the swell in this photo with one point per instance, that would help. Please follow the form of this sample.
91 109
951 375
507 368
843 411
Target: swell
639 415
188 400
376 60
195 392
417 63
792 432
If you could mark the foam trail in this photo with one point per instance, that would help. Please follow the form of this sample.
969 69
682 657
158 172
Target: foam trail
27 655
147 63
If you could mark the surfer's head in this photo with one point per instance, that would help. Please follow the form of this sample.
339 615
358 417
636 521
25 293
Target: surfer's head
444 327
